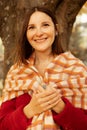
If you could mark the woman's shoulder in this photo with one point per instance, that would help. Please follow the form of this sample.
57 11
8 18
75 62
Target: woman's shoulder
69 54
17 68
66 56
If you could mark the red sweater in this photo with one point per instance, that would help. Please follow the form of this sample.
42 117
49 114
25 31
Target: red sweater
13 118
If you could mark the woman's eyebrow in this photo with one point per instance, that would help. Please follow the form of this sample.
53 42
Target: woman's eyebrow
30 25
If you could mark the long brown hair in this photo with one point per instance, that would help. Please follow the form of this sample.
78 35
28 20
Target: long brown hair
24 49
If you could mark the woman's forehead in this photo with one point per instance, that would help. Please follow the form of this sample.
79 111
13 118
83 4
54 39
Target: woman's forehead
38 15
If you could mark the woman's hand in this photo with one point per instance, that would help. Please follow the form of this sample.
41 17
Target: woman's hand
59 107
41 102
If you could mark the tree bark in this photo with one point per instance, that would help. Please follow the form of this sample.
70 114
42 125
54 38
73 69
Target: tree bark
11 16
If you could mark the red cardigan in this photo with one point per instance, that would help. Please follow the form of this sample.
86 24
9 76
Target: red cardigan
13 118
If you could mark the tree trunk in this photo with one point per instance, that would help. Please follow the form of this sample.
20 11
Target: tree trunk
11 16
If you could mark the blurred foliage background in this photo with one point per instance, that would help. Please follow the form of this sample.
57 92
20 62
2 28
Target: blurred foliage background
78 39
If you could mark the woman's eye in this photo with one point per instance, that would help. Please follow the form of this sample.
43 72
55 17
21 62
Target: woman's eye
46 25
30 27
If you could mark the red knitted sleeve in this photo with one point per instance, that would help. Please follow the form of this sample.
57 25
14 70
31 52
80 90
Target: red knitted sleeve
12 116
71 118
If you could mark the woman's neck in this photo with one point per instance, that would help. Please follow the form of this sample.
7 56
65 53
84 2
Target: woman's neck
42 61
43 57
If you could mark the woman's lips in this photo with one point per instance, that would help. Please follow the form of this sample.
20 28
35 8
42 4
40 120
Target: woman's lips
40 40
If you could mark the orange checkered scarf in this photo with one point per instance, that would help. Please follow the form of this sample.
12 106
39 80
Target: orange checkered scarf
65 71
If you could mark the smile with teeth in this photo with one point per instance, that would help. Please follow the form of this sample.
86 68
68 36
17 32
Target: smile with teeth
40 40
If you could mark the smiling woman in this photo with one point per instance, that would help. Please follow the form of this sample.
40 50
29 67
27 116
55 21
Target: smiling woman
41 32
39 26
46 86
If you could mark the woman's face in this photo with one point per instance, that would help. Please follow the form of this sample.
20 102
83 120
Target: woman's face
41 31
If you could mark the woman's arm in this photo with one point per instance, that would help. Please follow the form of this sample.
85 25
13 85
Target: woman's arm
12 116
71 118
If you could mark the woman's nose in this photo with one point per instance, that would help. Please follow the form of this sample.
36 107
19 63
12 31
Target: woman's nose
39 32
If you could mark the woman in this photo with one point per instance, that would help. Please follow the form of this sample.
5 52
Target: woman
45 89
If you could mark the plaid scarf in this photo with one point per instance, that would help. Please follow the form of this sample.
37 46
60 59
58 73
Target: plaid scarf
68 74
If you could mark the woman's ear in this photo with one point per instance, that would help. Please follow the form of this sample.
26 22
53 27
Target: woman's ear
56 30
59 29
56 33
